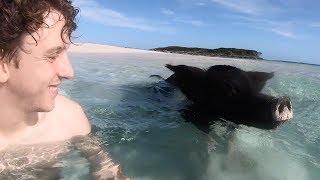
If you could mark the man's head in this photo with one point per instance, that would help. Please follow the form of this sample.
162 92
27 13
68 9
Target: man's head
21 17
34 36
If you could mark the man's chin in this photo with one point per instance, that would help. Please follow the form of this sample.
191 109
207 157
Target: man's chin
46 108
49 104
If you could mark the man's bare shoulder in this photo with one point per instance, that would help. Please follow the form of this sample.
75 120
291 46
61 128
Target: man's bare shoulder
71 115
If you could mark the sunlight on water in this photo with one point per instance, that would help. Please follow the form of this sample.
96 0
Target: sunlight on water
254 154
139 118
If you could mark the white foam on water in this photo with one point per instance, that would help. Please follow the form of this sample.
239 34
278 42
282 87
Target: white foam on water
105 82
253 155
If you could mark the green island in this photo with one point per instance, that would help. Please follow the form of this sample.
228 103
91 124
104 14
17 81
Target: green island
219 52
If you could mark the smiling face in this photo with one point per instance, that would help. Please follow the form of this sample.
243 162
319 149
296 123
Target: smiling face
42 66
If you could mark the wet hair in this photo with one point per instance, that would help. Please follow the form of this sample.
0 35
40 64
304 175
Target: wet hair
20 17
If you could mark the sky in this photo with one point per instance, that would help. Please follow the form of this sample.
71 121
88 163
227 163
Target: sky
287 30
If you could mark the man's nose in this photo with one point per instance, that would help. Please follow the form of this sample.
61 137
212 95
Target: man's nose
64 67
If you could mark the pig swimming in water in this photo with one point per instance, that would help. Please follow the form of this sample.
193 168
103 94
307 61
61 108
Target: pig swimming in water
227 92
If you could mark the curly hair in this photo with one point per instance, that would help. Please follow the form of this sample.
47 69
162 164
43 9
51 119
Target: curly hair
19 17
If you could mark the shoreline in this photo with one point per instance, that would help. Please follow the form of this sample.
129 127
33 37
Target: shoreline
100 48
91 48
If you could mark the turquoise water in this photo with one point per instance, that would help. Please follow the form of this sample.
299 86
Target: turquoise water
138 121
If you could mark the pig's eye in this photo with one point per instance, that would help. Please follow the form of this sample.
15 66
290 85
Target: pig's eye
231 89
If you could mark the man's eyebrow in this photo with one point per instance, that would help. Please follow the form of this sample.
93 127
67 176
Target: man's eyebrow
56 50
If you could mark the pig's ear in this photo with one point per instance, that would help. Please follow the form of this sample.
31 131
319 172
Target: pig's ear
171 67
260 76
259 79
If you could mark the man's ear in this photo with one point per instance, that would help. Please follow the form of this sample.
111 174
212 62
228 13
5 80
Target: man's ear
4 71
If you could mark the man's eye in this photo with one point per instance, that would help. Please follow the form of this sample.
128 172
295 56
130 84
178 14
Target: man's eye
51 59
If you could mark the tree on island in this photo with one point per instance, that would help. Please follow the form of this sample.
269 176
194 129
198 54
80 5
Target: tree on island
220 52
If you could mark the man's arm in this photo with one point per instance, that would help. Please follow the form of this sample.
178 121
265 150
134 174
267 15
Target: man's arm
77 124
102 166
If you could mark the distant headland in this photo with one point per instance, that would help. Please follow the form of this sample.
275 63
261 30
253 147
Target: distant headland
220 52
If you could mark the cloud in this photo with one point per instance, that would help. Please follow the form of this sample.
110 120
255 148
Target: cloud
253 20
200 4
282 28
192 22
239 6
167 12
316 24
250 7
196 23
93 11
284 33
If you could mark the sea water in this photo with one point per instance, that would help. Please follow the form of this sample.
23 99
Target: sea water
138 121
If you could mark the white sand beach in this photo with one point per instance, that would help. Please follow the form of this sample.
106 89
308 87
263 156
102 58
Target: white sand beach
99 48
114 52
104 52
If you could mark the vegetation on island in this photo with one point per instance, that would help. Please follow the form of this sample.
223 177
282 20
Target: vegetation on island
220 52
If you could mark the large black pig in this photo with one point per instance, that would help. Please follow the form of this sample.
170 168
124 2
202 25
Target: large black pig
229 93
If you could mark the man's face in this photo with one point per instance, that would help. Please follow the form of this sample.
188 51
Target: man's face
42 66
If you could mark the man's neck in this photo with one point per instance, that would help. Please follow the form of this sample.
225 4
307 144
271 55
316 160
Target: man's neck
13 119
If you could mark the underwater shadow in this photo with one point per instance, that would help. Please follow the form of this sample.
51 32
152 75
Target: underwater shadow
162 142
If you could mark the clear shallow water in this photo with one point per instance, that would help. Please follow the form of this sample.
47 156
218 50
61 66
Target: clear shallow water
138 120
